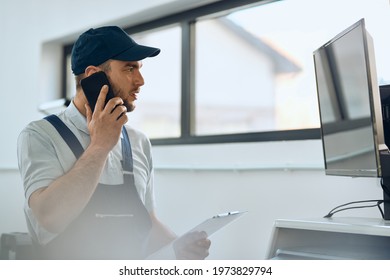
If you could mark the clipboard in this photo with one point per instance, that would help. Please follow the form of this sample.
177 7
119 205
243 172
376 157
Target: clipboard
217 222
210 226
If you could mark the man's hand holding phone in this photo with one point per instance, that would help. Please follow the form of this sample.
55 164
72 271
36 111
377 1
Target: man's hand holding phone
107 119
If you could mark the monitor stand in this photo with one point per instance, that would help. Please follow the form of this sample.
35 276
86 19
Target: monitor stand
385 156
385 182
386 197
386 206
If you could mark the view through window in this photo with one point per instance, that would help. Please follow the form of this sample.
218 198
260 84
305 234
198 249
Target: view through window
254 67
158 104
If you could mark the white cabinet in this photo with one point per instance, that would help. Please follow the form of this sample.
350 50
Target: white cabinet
330 238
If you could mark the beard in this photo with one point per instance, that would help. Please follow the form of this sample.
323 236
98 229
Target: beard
129 106
119 93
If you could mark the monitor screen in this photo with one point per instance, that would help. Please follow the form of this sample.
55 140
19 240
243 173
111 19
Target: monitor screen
349 104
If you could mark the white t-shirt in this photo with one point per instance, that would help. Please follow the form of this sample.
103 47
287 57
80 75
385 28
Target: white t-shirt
43 156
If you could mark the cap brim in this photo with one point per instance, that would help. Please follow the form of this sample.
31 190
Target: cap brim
137 52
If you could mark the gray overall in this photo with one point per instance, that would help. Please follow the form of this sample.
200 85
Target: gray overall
115 223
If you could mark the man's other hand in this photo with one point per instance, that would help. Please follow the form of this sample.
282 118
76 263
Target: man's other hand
192 246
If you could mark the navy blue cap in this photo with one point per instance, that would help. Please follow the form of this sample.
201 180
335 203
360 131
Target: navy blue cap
98 45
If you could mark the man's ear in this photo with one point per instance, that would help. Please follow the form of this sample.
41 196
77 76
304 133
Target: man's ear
91 70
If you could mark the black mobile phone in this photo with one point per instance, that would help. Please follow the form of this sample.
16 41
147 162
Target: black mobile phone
93 84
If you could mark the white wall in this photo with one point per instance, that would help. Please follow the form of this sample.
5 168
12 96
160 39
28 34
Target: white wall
270 180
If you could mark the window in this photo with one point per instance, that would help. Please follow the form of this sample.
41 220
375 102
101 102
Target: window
158 106
248 82
70 83
243 70
254 71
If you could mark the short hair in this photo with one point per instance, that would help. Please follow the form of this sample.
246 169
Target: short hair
105 66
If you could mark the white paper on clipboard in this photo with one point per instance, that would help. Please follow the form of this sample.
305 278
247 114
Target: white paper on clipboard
210 226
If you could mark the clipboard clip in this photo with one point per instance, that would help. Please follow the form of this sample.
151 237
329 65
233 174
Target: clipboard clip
226 214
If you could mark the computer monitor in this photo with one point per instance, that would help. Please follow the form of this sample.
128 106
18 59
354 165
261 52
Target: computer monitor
350 106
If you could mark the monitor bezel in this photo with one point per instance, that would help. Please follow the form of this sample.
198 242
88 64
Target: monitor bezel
374 100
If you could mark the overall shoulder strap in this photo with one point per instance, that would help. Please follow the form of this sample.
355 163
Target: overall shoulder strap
66 134
127 156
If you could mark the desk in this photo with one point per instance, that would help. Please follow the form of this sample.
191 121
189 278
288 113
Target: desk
330 238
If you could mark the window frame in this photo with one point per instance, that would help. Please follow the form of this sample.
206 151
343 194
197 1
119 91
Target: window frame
187 20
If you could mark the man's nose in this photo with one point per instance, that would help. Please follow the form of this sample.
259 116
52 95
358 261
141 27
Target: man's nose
139 80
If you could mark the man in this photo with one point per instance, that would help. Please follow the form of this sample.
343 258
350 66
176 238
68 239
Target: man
97 203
